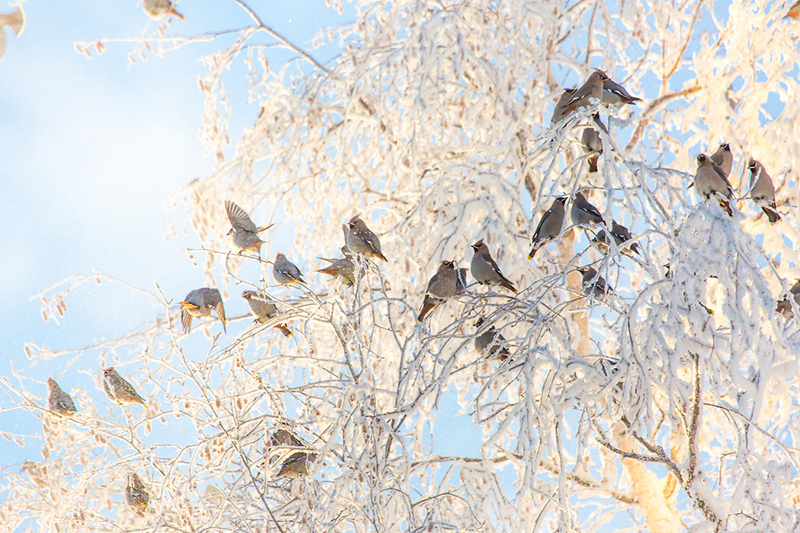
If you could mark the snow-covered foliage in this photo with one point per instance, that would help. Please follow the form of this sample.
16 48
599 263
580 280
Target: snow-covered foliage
671 404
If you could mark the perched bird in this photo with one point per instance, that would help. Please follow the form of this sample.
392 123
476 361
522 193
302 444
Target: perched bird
584 213
591 144
615 94
723 158
593 284
592 88
621 236
158 9
295 464
59 401
794 11
285 272
361 240
549 226
199 303
244 231
561 105
263 308
762 190
118 388
485 270
344 268
785 305
441 287
461 280
710 179
136 494
490 343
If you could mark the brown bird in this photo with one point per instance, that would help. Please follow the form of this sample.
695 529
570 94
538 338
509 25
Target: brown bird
344 268
158 9
296 464
200 303
549 226
490 343
485 270
615 94
361 240
762 190
118 388
785 305
723 158
244 231
710 180
794 11
264 308
441 287
561 105
621 236
592 88
593 284
59 401
136 494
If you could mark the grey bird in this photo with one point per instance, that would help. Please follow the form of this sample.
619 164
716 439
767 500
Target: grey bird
485 270
344 268
244 231
199 303
615 94
593 284
264 308
710 180
118 388
136 494
549 226
296 464
461 281
441 287
59 402
592 88
584 213
158 9
361 240
490 343
762 190
723 158
785 305
285 272
591 142
561 105
621 236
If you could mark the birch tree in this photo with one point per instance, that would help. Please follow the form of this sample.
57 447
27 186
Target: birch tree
669 405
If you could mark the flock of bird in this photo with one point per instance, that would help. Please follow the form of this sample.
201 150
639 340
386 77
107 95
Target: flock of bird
449 281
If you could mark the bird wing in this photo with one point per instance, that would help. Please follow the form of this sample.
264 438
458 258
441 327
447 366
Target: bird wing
240 220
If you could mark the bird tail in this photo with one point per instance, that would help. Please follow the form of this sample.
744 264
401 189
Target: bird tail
726 204
593 163
380 255
283 329
771 213
329 271
508 285
175 13
426 308
533 251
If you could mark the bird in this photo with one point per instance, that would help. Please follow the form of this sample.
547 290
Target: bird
561 105
615 94
285 272
199 303
794 11
762 190
592 145
441 287
621 236
490 343
592 88
485 270
295 464
710 179
15 21
361 240
158 9
549 226
244 231
59 401
263 308
723 158
785 306
118 388
136 494
584 213
344 268
593 284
